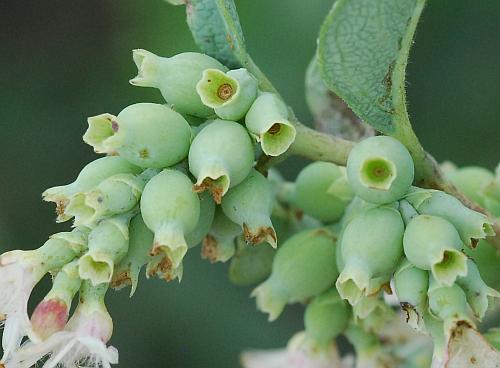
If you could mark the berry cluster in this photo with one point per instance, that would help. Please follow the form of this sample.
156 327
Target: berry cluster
184 173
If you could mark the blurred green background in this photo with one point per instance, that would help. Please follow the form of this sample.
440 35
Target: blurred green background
61 61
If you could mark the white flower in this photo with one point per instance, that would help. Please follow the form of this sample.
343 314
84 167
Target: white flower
81 344
299 353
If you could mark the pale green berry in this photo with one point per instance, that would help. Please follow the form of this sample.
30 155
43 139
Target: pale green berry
432 243
371 247
471 181
171 210
219 244
230 94
90 176
479 295
267 120
146 134
250 265
411 284
176 78
487 257
108 244
140 244
220 157
449 303
113 196
250 205
207 214
380 169
322 191
326 317
471 225
304 266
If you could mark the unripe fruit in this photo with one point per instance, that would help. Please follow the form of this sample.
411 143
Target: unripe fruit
250 204
371 248
471 181
471 225
207 214
304 266
176 78
230 94
487 257
170 209
140 244
250 265
90 176
220 157
113 196
145 134
219 244
380 169
432 243
326 317
322 191
267 121
52 313
108 245
479 295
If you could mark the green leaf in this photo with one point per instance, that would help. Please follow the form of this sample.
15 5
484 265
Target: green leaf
363 51
331 114
217 31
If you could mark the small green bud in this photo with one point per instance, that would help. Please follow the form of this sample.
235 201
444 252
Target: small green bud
267 121
479 295
51 314
411 284
432 243
471 225
113 196
326 317
90 176
145 134
471 181
449 303
250 265
220 157
304 266
140 244
250 204
108 245
230 94
219 244
170 209
207 214
380 169
371 248
176 78
322 191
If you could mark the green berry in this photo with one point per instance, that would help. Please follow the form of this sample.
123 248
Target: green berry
145 134
371 247
171 210
140 244
107 245
220 157
176 78
90 176
326 317
250 204
380 169
322 191
267 121
250 265
487 257
219 244
304 266
471 181
471 225
230 94
432 243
